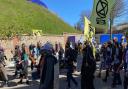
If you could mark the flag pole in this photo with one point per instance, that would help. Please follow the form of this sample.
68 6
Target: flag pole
110 27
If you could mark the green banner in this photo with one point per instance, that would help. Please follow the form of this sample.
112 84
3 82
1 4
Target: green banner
101 12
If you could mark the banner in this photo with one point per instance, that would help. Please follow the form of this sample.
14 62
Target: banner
37 32
86 28
101 12
89 31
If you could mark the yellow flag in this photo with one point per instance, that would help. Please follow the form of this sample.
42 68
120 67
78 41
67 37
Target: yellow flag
37 32
86 28
89 31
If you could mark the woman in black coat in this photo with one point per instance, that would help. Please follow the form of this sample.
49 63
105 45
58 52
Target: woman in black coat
88 68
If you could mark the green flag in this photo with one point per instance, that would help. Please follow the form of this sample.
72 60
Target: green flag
101 12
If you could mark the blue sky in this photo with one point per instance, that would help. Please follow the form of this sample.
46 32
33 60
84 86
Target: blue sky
69 10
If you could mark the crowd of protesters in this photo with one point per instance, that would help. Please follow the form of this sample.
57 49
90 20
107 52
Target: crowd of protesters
39 56
113 58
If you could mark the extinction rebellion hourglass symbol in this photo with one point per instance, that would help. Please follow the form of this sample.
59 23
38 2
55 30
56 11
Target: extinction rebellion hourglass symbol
102 11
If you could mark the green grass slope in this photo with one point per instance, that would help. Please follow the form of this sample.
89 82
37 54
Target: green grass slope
21 17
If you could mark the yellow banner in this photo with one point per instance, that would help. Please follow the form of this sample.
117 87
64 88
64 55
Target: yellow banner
37 32
86 28
89 31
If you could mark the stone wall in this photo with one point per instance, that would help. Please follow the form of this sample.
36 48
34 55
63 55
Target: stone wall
8 45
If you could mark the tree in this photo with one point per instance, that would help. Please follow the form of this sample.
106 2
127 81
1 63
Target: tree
119 9
80 24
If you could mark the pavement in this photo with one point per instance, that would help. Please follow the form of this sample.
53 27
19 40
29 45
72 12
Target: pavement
13 81
99 84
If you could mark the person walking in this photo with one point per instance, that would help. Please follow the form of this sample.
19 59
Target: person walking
108 60
3 72
70 67
17 58
116 67
33 54
125 57
47 63
88 68
103 60
38 49
24 64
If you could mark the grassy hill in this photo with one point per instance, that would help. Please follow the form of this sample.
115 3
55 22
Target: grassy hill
21 17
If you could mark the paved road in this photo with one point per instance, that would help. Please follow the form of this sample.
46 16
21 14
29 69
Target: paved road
33 84
99 84
13 82
62 80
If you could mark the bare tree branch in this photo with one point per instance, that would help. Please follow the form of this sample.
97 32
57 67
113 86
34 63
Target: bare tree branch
119 10
80 24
